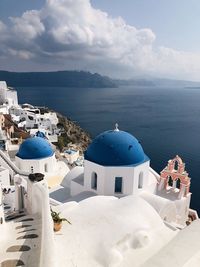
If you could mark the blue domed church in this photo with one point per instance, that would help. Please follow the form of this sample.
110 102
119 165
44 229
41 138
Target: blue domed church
115 164
36 155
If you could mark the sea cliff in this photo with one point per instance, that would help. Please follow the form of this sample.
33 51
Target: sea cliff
72 134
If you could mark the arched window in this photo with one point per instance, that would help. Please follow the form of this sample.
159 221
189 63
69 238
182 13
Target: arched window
46 167
170 181
118 184
178 183
94 181
176 165
140 180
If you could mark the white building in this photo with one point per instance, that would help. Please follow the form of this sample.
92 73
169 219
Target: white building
71 155
8 96
31 119
36 155
28 118
43 132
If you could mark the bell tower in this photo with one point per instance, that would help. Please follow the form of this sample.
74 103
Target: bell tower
174 185
174 177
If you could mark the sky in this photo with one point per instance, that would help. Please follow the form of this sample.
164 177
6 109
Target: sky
121 39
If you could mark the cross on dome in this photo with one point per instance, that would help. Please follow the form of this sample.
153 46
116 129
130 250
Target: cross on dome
116 127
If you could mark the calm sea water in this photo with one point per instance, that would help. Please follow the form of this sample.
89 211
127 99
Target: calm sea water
165 120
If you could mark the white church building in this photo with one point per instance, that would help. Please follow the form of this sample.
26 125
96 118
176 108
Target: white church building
36 155
115 165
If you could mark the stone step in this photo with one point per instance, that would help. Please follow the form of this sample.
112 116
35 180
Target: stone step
26 230
24 248
12 263
22 226
14 216
18 248
6 207
25 220
28 236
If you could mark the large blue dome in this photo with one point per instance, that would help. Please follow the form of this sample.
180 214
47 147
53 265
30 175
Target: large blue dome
35 148
115 148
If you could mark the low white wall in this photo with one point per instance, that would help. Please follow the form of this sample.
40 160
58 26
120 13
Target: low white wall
76 188
164 207
1 207
182 207
4 177
155 174
35 165
40 205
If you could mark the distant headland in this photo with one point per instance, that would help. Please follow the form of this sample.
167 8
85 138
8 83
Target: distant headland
85 79
75 79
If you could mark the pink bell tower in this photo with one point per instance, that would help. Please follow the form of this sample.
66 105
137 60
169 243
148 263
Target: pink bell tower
175 172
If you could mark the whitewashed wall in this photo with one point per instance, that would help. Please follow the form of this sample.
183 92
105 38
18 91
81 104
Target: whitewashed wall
37 164
39 204
106 178
4 177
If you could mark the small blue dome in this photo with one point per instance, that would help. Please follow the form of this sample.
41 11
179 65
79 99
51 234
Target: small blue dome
40 134
115 148
35 148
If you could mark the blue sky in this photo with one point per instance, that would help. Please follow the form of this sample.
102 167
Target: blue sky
175 22
135 37
16 8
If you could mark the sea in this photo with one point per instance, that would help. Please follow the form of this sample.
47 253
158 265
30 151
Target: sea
165 120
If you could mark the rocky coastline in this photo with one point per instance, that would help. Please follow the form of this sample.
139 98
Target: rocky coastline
72 135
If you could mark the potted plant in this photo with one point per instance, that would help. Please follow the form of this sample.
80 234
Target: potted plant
57 220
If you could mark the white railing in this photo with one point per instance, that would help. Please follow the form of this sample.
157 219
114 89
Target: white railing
11 165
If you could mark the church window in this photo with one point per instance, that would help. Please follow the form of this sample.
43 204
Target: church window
140 180
94 181
178 183
31 169
170 181
46 167
176 165
118 184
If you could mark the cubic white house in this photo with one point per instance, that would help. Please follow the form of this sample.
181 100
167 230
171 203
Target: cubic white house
8 98
8 95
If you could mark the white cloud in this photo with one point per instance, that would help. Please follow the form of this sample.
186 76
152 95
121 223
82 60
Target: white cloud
29 26
23 54
70 34
2 27
173 63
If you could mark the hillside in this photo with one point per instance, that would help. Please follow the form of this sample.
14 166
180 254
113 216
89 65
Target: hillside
83 79
72 133
75 79
157 82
